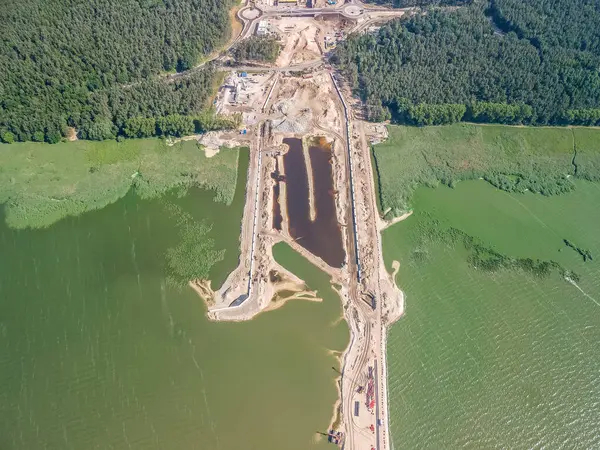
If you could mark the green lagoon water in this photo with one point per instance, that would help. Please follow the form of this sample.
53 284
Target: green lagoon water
99 351
504 359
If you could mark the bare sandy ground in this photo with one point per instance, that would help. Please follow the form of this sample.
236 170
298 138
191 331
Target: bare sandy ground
311 181
71 134
293 99
299 36
383 224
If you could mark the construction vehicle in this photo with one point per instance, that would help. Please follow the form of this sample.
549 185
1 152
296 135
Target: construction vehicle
335 437
370 400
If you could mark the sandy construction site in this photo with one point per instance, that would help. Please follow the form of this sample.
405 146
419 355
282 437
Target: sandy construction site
299 107
310 185
299 40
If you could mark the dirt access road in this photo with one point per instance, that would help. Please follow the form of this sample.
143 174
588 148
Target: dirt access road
299 97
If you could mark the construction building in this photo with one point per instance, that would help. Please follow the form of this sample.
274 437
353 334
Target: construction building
263 28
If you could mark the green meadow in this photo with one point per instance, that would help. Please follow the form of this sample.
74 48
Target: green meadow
515 159
41 183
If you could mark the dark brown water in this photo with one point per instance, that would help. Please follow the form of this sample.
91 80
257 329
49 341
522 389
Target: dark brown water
277 217
322 237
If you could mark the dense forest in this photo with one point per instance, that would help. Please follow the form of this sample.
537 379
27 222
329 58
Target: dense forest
265 48
419 3
90 64
507 61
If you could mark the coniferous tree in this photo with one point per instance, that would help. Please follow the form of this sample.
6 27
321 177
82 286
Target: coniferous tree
87 64
507 61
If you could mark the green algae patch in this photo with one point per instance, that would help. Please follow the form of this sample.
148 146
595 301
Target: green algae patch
41 183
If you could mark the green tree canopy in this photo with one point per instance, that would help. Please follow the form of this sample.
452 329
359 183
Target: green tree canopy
85 63
263 48
509 61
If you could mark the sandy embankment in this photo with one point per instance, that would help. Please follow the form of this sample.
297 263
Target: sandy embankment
203 289
395 268
281 291
266 293
310 177
280 287
211 142
283 196
383 224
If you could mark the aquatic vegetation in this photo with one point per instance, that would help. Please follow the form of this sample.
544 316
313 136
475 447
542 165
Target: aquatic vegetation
195 252
479 255
586 162
585 254
41 183
514 159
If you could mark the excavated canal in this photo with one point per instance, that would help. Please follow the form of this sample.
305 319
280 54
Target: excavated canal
321 236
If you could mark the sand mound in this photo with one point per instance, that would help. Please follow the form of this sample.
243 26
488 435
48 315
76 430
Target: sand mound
293 120
213 141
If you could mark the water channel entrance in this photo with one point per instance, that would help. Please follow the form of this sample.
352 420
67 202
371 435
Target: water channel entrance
321 236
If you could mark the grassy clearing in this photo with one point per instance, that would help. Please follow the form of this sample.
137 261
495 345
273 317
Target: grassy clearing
41 183
515 159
